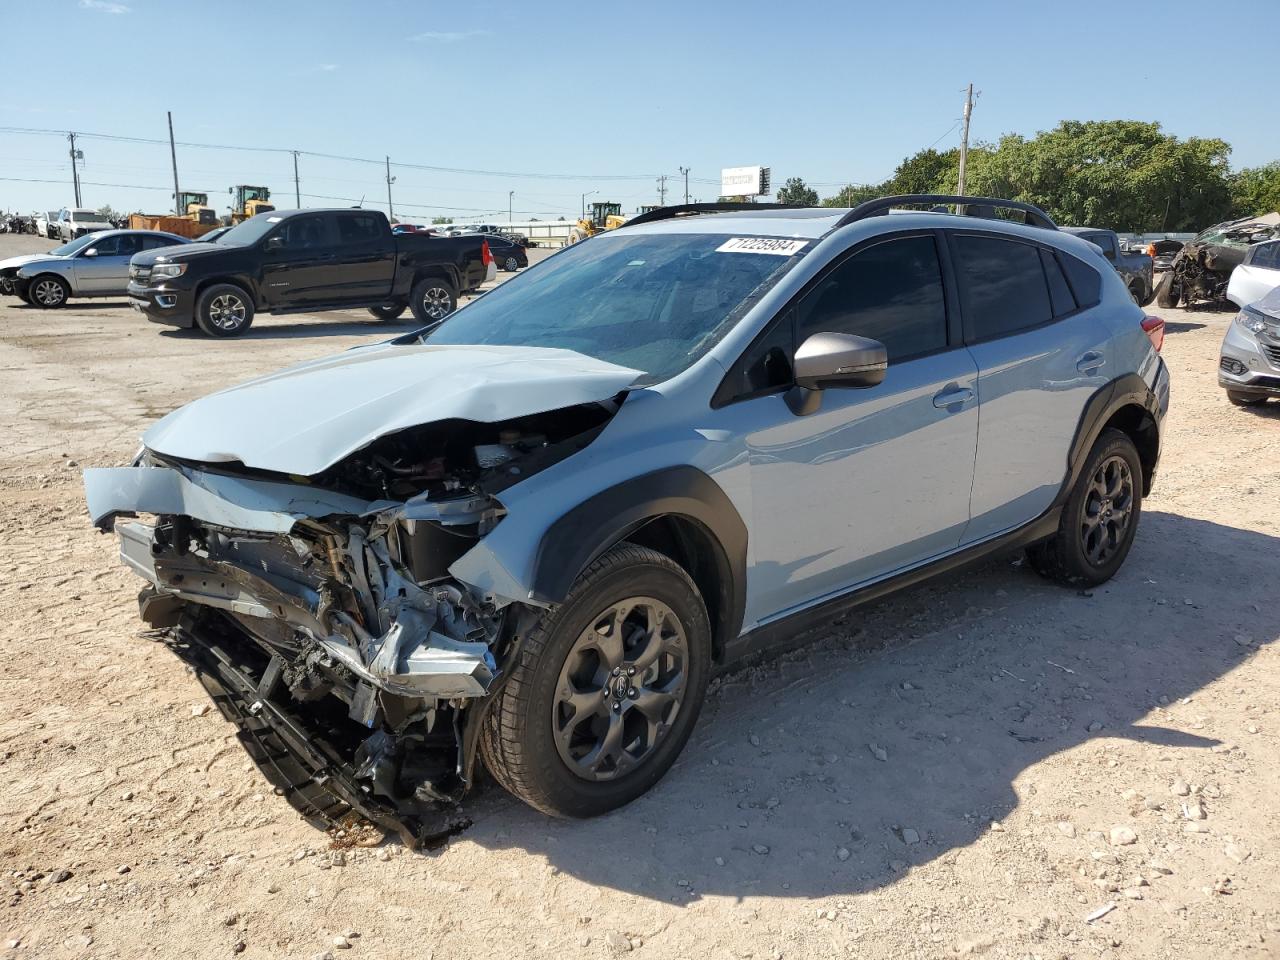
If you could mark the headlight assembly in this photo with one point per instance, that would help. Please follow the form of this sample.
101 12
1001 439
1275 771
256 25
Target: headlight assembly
1251 321
167 271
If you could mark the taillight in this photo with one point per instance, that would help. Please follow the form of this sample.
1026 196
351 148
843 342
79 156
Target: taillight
486 257
1153 327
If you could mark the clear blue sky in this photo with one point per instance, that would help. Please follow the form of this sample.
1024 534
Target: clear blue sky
833 92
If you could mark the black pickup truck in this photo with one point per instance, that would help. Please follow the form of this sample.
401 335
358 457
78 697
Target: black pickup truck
304 261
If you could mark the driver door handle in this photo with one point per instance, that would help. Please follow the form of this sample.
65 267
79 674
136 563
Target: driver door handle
952 397
1090 362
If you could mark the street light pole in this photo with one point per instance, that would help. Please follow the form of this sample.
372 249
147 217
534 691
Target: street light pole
391 213
589 193
510 196
685 171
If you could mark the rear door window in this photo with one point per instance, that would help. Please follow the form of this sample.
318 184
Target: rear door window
1002 286
307 233
891 292
358 228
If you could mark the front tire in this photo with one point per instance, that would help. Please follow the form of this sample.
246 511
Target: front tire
1099 519
605 690
48 291
224 310
389 311
1245 399
1169 292
432 299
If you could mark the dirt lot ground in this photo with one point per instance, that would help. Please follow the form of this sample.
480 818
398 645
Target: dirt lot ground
976 766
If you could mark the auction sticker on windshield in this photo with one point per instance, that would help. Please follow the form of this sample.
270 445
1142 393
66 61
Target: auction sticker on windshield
780 248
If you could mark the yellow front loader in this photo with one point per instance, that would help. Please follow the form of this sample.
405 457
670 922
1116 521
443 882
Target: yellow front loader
604 216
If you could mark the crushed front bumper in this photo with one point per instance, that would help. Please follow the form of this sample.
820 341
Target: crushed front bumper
355 688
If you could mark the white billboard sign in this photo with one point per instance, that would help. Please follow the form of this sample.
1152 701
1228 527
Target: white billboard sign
744 181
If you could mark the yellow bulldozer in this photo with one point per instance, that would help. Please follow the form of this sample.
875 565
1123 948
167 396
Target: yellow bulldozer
604 216
249 202
195 207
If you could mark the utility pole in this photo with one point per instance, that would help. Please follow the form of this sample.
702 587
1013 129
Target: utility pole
297 190
173 156
964 139
391 215
662 190
589 193
685 171
75 174
510 196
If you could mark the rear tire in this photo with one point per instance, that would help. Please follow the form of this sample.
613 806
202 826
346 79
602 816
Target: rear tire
432 299
224 310
511 265
576 234
1245 399
590 657
389 311
48 292
1099 519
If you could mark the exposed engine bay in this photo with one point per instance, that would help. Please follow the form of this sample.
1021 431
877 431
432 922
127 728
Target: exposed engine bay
1202 268
320 611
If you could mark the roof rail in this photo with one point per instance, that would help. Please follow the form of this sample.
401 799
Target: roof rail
691 209
1035 217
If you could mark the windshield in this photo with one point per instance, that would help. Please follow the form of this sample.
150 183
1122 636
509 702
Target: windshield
654 302
250 231
69 248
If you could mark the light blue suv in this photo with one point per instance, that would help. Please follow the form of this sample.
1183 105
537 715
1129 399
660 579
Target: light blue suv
531 532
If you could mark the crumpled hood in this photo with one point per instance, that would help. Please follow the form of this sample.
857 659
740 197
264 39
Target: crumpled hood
12 262
306 418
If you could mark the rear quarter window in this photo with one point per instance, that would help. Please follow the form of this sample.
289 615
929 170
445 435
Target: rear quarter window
1086 282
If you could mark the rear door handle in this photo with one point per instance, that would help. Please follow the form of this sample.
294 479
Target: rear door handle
952 396
1090 362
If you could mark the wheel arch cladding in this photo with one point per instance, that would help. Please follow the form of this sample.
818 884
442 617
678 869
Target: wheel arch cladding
1128 404
680 512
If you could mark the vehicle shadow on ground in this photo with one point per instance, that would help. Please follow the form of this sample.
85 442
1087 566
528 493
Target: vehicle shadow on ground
71 306
779 794
310 330
1182 326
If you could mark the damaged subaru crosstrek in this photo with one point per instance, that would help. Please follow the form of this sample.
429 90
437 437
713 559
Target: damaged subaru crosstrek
529 534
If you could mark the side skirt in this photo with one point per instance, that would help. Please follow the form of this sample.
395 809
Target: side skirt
791 631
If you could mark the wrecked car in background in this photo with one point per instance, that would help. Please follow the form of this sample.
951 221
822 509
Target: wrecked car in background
1203 267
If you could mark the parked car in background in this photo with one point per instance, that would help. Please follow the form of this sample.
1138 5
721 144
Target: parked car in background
507 254
43 220
1257 276
76 222
213 235
530 534
306 261
1249 364
94 265
1136 269
1162 253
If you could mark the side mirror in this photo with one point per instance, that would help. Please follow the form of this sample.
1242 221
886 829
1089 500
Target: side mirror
273 243
91 252
834 361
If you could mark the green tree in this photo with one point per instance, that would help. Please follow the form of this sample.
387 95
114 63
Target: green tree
441 220
1256 190
855 194
1122 174
107 212
795 191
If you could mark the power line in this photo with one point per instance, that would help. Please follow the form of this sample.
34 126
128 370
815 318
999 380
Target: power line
36 131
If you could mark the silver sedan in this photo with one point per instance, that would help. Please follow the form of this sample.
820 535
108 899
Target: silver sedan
95 265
